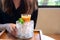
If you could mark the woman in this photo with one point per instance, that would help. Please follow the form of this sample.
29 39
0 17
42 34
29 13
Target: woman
12 12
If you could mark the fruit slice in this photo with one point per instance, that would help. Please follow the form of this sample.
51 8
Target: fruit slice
26 18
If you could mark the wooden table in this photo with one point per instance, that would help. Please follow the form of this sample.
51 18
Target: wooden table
55 36
7 36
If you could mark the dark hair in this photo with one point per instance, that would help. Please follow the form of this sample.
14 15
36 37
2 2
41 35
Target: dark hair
28 6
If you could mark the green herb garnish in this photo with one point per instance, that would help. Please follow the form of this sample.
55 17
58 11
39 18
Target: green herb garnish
21 20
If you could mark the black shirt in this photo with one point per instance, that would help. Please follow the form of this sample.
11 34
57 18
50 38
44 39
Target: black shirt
16 14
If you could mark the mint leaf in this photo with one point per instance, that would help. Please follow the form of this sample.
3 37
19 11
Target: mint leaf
21 20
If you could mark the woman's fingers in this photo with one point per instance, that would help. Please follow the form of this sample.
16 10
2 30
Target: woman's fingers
11 28
13 31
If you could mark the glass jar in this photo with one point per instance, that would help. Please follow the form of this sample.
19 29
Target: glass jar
25 31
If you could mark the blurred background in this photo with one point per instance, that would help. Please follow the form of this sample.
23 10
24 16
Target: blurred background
49 18
49 2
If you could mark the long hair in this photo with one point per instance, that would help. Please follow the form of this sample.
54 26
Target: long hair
29 6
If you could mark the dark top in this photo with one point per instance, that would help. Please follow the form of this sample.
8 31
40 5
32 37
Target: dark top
16 14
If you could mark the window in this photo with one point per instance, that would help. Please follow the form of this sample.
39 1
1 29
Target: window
49 3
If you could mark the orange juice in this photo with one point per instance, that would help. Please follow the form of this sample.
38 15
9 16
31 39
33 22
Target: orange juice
26 18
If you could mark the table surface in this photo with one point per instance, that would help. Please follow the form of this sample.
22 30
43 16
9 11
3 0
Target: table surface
54 36
37 36
8 36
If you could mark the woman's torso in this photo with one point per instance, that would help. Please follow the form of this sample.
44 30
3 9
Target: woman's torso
14 15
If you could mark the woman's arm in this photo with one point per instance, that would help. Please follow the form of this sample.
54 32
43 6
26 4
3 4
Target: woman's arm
10 27
35 13
2 26
7 26
34 17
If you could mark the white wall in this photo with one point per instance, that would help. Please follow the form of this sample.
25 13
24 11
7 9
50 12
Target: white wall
49 20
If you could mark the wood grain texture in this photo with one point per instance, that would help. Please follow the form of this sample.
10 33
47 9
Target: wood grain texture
7 36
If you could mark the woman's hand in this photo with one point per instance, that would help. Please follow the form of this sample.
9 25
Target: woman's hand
11 28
